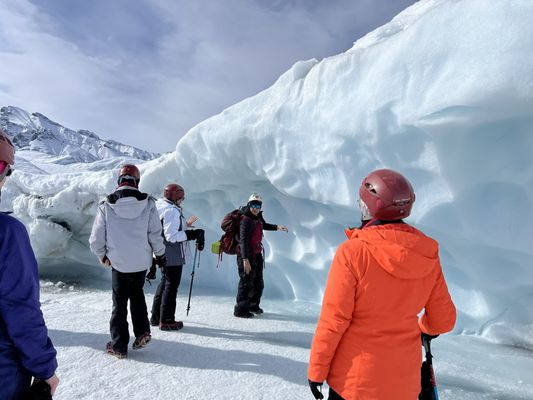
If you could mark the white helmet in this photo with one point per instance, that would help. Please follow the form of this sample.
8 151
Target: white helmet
255 197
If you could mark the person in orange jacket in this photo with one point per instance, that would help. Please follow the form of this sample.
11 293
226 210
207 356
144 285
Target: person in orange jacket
367 340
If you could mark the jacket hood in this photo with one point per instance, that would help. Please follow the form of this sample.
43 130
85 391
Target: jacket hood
163 204
128 207
400 249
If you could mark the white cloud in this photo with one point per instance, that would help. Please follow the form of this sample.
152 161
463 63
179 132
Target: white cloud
145 72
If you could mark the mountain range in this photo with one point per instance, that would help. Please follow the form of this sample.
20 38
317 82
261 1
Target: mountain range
36 132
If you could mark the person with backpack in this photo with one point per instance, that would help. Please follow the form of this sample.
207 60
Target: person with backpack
367 340
26 351
126 232
174 234
250 261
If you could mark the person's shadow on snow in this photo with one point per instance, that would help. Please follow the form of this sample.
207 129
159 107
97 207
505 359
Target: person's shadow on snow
283 338
186 355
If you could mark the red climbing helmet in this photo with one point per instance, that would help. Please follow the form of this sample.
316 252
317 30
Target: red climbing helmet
173 192
387 194
129 175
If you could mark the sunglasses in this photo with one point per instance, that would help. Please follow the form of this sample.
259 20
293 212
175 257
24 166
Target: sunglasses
256 206
7 172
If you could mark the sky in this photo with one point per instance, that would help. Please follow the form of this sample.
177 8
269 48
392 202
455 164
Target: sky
144 72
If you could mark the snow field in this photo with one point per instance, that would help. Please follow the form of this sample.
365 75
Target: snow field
217 356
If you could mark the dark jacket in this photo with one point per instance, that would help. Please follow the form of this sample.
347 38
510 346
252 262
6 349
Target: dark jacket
251 232
24 343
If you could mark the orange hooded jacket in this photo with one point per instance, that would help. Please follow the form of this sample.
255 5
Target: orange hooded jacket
367 341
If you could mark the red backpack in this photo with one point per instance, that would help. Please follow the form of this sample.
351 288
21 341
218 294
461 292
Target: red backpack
229 242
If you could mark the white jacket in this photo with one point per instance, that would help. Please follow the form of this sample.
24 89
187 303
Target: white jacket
127 230
173 221
174 226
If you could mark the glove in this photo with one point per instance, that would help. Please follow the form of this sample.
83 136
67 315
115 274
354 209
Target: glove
428 337
105 261
198 235
193 234
151 274
40 390
316 389
161 261
200 242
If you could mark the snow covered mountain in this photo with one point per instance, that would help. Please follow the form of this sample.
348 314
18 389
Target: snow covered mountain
35 132
442 93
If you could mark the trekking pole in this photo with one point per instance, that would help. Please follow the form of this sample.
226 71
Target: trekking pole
429 383
192 278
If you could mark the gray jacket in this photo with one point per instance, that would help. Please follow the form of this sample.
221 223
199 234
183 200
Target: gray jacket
174 225
127 230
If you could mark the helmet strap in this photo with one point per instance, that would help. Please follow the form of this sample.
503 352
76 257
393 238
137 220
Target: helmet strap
365 212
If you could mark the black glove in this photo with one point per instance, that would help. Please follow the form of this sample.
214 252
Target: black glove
151 274
316 389
40 390
105 261
193 234
200 242
427 336
161 261
198 235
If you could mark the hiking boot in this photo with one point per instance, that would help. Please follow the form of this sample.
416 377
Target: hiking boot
171 326
141 341
246 314
257 310
154 321
116 353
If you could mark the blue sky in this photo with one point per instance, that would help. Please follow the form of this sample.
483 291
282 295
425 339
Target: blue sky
146 71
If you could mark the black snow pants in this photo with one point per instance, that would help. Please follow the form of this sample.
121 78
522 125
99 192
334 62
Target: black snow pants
164 305
128 286
251 285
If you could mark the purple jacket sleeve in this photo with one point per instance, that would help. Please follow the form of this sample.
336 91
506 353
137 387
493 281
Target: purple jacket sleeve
20 310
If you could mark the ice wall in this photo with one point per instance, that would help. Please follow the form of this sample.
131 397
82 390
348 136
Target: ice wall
443 93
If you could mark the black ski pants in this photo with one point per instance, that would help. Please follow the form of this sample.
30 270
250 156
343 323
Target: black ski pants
251 285
128 286
164 305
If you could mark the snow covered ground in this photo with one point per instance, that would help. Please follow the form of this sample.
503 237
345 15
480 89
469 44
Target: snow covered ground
217 356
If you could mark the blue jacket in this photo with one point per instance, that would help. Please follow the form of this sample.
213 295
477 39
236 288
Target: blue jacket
25 348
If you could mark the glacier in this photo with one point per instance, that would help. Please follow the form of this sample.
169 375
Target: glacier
443 93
